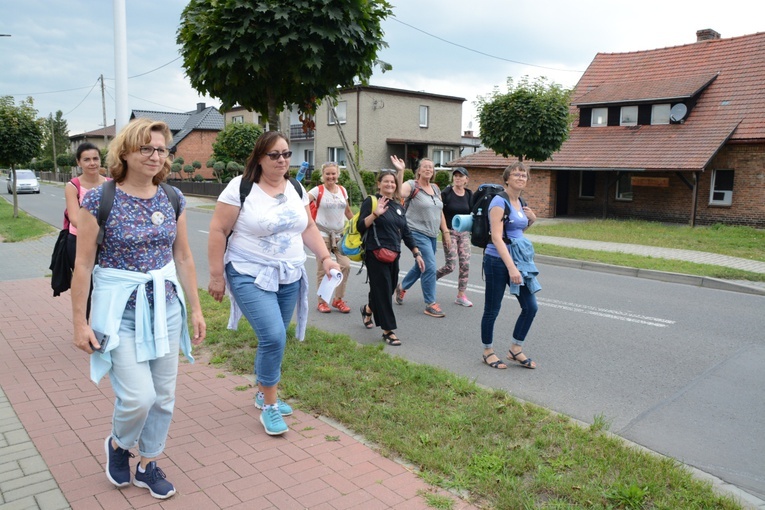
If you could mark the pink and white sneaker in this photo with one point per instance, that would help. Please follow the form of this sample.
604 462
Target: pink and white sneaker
463 300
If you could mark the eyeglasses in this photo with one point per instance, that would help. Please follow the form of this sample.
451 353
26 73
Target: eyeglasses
519 176
274 156
386 171
147 151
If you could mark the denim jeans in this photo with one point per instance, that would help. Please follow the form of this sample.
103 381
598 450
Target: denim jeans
497 280
263 310
427 246
144 392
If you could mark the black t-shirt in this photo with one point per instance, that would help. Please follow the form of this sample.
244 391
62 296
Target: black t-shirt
455 204
388 230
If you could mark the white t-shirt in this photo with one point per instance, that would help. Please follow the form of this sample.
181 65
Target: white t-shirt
331 212
268 227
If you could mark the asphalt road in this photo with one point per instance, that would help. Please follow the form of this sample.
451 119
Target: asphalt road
675 368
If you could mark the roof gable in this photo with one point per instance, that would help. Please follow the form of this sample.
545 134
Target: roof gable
656 90
181 124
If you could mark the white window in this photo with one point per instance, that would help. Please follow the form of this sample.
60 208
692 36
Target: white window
341 108
238 119
660 113
336 154
308 156
624 186
441 157
629 116
721 191
599 117
423 116
586 184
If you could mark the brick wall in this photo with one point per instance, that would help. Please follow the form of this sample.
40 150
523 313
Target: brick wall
197 146
539 192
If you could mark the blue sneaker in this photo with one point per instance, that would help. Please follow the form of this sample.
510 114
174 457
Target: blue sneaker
284 408
117 464
272 420
154 480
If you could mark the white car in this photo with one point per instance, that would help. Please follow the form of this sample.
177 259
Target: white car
27 182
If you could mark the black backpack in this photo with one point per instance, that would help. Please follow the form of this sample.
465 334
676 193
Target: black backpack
480 233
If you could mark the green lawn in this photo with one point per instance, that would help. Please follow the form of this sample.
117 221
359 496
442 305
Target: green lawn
24 227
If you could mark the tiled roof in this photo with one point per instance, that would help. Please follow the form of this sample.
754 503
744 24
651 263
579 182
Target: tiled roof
181 124
645 90
731 108
108 131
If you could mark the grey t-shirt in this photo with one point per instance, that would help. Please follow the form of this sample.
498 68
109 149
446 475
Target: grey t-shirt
424 213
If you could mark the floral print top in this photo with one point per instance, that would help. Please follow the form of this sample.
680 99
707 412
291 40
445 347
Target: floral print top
139 234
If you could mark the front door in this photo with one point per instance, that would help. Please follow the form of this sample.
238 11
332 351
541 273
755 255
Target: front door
563 182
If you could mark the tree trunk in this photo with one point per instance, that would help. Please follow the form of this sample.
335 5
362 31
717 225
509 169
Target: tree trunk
272 116
15 195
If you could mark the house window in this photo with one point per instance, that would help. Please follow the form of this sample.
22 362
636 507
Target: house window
336 154
238 119
423 116
629 116
441 157
308 156
624 186
721 192
586 184
660 113
599 117
341 108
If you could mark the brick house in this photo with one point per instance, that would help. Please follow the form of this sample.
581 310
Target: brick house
193 133
100 137
673 134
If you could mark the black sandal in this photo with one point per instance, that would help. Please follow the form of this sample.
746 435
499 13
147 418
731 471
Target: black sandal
526 363
494 364
391 339
366 318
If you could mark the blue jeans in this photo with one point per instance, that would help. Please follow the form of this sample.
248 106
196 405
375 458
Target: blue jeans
144 392
263 309
497 279
427 246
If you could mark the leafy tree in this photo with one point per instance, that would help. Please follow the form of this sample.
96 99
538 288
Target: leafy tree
529 121
442 179
20 136
189 169
235 142
219 169
55 127
263 54
176 168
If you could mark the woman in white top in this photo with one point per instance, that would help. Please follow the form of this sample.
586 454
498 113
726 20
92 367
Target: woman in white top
263 263
332 209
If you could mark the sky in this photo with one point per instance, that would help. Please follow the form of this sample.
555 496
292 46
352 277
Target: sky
59 48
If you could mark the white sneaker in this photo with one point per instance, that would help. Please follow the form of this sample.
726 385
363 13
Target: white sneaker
462 300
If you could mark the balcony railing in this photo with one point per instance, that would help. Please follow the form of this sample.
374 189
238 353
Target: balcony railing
297 133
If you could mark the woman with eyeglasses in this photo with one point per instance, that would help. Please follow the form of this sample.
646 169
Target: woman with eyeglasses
263 264
145 275
509 262
332 209
385 228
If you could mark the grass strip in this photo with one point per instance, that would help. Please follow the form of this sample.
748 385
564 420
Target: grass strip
499 452
13 230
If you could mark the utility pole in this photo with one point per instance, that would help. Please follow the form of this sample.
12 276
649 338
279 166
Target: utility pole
53 135
103 109
120 65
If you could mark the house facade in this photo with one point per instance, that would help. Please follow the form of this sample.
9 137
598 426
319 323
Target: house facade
383 121
194 133
100 138
673 134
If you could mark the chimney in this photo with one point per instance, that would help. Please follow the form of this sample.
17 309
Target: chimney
468 133
201 106
706 34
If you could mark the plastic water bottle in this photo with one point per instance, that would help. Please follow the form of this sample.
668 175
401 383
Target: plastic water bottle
301 173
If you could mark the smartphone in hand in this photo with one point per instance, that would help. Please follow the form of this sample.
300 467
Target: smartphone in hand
102 339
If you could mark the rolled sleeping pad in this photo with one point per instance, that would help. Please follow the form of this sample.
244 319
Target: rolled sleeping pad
462 222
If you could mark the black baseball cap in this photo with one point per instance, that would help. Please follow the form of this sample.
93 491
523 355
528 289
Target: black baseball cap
461 170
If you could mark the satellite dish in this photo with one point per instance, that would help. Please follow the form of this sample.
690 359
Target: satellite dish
678 112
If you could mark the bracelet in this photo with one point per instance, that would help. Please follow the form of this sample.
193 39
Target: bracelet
375 215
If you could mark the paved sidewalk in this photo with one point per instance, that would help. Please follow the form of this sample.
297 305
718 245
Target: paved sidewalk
218 455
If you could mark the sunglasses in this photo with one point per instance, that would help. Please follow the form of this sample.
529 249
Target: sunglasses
274 156
386 171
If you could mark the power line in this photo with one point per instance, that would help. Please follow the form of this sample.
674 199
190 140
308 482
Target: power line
152 102
83 99
482 53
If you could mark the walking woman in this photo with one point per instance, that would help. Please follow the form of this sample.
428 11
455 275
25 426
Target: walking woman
509 262
88 158
457 199
145 275
385 228
425 218
332 209
264 262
